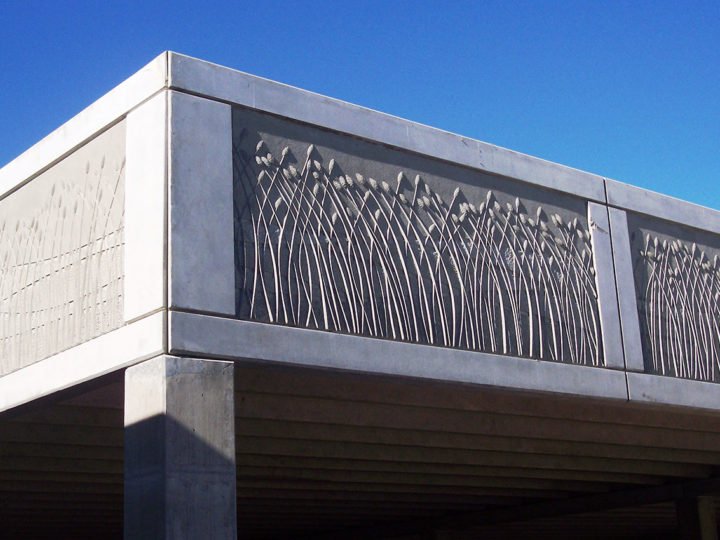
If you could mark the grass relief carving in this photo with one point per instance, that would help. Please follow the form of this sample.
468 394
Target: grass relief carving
61 279
680 309
319 247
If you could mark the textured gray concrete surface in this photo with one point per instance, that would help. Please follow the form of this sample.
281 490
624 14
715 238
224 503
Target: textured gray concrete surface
104 354
600 236
662 206
180 449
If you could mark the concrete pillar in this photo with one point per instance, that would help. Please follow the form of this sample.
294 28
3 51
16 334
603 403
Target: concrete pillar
180 450
696 518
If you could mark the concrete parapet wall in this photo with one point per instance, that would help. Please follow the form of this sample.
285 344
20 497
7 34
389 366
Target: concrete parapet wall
249 200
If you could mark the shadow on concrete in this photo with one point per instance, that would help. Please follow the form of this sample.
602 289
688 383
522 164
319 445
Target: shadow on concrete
176 484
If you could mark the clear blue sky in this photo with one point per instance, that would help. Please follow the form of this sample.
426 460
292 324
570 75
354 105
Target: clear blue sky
629 90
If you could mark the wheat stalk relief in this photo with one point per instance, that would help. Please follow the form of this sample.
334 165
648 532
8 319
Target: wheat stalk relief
320 248
680 315
61 264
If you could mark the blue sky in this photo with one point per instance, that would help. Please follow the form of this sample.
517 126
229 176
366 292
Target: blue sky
628 90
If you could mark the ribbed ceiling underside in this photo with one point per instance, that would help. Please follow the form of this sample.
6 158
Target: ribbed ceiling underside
333 454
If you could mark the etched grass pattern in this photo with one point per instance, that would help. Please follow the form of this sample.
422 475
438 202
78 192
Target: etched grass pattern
680 314
61 277
319 248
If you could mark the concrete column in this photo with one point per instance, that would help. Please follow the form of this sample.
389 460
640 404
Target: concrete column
180 450
696 518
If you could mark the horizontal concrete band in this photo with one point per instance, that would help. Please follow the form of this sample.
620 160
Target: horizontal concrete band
643 201
201 335
115 350
219 337
215 82
673 391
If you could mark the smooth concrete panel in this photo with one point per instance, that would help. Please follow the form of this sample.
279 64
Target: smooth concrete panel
125 346
86 124
605 280
673 391
201 230
230 338
180 449
627 296
662 206
145 215
544 173
225 84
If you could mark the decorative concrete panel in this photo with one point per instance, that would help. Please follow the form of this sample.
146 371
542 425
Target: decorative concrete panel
61 249
340 234
677 280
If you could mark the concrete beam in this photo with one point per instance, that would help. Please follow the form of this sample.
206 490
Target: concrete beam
644 387
110 352
180 450
662 206
228 338
696 518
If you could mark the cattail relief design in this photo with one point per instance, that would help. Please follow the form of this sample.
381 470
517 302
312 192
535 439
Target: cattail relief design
61 266
679 298
319 247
